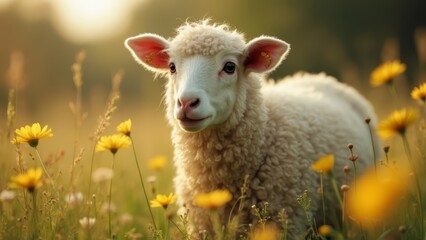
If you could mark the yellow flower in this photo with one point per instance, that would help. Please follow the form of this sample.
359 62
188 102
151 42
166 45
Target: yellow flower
419 92
113 143
214 199
397 122
163 200
29 180
325 230
157 163
267 232
377 194
386 72
32 134
125 127
324 164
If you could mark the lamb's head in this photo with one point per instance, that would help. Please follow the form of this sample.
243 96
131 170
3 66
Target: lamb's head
206 64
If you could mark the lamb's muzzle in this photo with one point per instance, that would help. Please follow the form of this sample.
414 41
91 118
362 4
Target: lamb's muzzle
185 113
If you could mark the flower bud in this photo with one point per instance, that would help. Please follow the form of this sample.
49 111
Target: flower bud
345 188
367 120
386 149
346 169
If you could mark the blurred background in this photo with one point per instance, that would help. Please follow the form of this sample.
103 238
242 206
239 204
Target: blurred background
346 39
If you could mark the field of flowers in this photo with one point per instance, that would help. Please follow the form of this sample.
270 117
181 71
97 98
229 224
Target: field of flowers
43 198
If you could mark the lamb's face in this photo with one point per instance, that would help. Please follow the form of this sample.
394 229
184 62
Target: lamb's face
205 63
204 89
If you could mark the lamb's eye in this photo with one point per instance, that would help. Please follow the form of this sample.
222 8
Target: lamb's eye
229 67
172 67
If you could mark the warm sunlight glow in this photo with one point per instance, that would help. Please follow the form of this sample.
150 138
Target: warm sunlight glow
4 4
90 20
79 21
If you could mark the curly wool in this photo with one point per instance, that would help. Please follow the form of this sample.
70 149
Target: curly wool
273 135
205 39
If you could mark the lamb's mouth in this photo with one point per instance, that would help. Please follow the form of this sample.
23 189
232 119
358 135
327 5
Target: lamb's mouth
192 125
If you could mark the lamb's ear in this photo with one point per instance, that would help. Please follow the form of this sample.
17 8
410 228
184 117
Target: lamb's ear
149 50
264 54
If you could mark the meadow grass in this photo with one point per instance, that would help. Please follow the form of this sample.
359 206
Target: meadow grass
48 195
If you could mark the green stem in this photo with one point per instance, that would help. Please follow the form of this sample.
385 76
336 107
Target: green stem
34 216
407 150
322 199
344 212
285 232
166 229
45 170
387 158
336 189
90 189
109 200
416 178
394 93
217 226
77 126
143 185
178 228
239 201
354 174
90 177
374 148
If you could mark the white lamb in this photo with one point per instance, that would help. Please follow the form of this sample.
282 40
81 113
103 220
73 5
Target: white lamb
228 122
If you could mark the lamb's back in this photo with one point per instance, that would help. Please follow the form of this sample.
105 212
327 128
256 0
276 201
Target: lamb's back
311 115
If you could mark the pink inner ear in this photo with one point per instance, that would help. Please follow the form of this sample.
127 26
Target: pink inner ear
262 57
151 52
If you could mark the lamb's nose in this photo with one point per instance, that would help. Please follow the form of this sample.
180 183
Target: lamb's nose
188 104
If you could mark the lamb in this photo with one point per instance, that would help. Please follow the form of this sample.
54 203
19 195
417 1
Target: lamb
228 121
